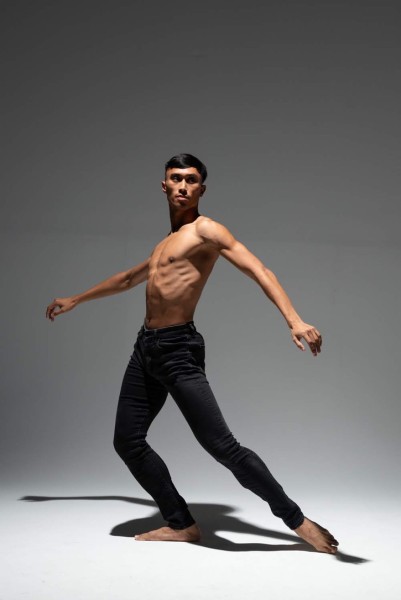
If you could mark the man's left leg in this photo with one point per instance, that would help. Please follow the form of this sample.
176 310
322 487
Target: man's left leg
196 400
194 397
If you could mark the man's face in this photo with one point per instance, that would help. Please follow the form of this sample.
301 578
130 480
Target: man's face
183 187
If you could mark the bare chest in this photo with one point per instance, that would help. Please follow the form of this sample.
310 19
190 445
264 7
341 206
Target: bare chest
180 250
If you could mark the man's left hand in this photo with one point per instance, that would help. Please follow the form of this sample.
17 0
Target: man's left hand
310 334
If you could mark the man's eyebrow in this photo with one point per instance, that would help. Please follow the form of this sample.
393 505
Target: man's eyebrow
187 175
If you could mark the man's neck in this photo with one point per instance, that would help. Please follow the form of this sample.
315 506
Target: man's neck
177 221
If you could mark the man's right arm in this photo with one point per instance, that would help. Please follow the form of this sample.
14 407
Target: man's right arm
120 282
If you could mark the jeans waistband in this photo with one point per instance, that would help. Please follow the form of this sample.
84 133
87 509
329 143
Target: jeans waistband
188 326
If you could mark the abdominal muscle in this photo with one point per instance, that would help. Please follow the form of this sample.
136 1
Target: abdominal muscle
172 293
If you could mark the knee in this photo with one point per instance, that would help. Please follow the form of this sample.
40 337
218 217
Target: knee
128 448
224 450
119 444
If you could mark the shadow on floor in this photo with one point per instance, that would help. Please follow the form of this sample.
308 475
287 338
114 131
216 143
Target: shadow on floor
211 518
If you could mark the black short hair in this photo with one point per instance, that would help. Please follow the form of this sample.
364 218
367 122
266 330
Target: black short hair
183 161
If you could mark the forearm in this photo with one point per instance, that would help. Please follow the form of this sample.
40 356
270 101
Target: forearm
276 293
113 285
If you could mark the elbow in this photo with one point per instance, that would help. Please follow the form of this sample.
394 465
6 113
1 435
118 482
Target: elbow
125 280
269 273
271 278
264 276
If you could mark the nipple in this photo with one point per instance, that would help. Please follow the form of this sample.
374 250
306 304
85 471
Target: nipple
171 259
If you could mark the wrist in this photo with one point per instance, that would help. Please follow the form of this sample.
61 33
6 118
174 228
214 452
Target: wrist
294 321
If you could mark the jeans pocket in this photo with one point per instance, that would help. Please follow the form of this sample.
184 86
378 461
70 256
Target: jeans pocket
196 343
200 340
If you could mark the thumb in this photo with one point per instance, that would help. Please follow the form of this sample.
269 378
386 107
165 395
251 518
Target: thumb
298 343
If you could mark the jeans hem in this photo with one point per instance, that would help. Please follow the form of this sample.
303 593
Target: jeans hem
192 522
298 522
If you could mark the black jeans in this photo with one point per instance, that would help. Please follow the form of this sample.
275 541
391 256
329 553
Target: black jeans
172 360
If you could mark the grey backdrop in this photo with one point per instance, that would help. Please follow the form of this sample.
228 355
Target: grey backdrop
294 107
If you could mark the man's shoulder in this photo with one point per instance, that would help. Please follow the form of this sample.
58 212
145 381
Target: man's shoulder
208 228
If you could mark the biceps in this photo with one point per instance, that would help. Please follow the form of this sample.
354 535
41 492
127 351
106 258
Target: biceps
243 259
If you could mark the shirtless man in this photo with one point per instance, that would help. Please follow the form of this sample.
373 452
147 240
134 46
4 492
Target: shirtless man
169 357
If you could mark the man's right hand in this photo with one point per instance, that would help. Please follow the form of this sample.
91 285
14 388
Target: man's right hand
64 305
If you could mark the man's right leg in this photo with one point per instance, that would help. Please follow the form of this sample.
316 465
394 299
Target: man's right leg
141 398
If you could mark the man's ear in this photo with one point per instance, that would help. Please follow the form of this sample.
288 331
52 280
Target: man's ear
203 189
164 186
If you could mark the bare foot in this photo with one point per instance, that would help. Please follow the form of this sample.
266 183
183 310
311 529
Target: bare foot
167 534
316 535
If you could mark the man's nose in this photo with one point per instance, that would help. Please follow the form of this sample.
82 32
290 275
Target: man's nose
183 187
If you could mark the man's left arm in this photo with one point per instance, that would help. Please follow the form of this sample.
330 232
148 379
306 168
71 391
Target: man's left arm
235 252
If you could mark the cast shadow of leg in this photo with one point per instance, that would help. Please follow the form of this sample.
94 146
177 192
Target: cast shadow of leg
211 518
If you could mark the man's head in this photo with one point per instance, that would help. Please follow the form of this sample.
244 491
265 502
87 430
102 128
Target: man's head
183 161
184 181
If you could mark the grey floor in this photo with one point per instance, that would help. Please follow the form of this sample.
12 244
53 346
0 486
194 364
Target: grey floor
76 542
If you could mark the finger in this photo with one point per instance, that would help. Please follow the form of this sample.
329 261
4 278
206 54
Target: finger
312 332
309 340
318 343
312 342
318 339
50 307
312 346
